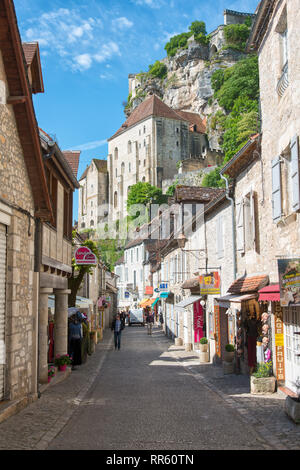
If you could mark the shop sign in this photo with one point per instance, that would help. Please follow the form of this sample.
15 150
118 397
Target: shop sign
279 343
217 330
148 290
198 322
210 284
163 287
289 281
85 256
127 295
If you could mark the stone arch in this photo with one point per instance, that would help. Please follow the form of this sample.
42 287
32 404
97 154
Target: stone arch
213 50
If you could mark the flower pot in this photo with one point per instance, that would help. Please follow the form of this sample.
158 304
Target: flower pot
228 356
262 385
203 347
204 356
62 367
292 409
49 379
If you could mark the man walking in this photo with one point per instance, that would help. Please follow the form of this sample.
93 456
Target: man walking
149 321
117 328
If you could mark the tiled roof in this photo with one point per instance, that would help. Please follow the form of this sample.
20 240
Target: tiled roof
152 106
191 283
194 119
248 284
196 193
100 164
29 49
72 157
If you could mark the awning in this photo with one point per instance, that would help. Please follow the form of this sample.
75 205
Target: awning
147 303
164 295
155 301
269 294
186 302
234 298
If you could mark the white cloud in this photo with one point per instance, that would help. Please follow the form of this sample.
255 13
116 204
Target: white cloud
90 145
83 61
107 51
149 3
122 23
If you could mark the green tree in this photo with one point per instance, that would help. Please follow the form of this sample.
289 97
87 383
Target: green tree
144 193
158 70
198 27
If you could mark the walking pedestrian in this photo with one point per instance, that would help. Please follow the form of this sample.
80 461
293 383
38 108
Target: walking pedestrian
123 318
75 340
149 321
117 328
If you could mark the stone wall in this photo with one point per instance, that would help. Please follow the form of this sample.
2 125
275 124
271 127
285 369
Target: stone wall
21 313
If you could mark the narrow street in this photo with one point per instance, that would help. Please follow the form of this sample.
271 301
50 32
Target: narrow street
150 395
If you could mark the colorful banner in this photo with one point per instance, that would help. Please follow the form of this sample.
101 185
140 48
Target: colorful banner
210 284
198 322
279 343
289 281
85 256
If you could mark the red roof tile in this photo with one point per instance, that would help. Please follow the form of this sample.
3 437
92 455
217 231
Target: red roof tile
196 193
152 106
194 119
248 284
72 157
29 49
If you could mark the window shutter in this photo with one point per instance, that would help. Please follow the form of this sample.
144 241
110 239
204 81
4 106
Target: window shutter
220 247
276 190
252 212
295 174
240 237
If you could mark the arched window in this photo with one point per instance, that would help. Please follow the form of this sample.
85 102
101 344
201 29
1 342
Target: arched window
92 223
116 153
122 168
115 199
144 179
83 225
129 146
213 50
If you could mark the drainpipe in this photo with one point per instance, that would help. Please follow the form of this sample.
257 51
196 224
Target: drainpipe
37 264
233 226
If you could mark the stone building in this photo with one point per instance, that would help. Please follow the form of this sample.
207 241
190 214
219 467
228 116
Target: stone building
24 203
93 195
148 147
266 179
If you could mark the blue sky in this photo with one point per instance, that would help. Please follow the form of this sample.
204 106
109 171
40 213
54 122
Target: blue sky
89 47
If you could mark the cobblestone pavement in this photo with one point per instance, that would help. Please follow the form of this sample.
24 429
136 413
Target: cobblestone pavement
45 423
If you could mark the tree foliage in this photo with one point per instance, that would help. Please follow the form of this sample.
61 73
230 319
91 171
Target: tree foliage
180 41
237 92
158 70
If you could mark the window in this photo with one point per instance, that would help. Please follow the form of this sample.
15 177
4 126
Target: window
177 143
144 143
115 199
126 274
129 167
137 254
122 168
131 254
116 172
285 182
116 153
144 162
144 129
129 147
246 223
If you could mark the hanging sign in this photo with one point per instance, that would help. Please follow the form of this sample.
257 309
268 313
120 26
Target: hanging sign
210 284
289 281
198 321
279 343
85 256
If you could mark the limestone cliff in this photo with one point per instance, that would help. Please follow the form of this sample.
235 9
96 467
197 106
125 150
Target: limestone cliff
187 85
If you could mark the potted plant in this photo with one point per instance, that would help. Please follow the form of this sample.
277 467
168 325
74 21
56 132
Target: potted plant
203 344
261 380
229 353
51 373
292 404
62 361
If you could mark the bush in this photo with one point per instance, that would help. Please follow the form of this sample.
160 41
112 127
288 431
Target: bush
236 35
229 348
158 70
263 370
203 340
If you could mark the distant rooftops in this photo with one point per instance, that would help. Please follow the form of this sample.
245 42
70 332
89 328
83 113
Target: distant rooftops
154 106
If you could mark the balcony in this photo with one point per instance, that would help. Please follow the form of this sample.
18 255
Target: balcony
283 82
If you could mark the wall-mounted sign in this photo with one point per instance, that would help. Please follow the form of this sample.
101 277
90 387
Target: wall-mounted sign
210 284
126 294
163 287
148 290
289 281
85 256
279 343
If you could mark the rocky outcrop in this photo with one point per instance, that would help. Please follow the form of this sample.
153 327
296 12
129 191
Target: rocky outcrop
188 82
